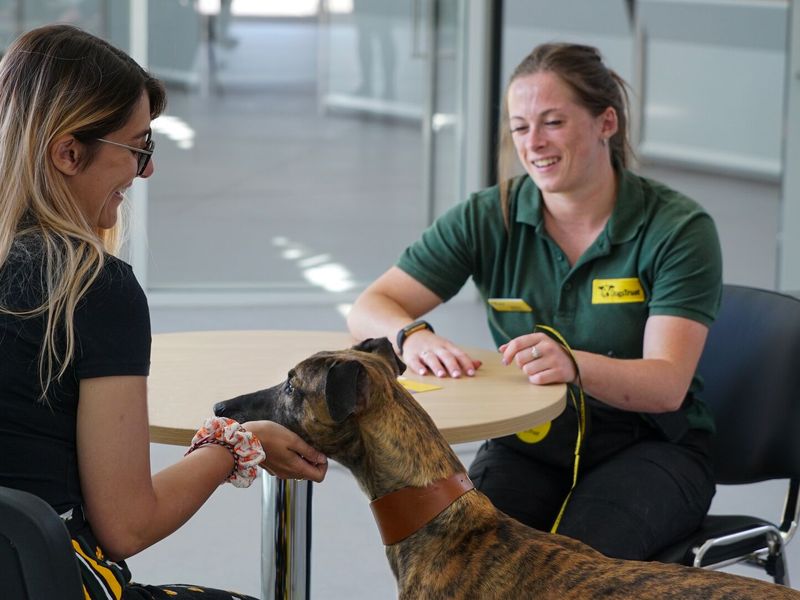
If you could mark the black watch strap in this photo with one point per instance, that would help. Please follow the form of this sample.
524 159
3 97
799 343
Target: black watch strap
408 330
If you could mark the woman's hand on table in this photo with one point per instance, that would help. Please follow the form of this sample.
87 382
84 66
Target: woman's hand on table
541 358
425 352
288 455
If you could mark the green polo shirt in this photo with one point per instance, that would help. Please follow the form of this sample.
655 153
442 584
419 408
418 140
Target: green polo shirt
658 254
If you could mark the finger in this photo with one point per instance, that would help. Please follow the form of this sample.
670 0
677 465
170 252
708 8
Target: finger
322 471
433 363
307 452
465 363
530 354
451 363
416 365
518 344
546 376
509 351
287 471
313 472
301 468
532 367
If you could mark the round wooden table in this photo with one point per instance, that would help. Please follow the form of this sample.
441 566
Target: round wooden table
191 371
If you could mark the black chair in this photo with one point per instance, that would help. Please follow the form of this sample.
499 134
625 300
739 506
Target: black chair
751 369
37 561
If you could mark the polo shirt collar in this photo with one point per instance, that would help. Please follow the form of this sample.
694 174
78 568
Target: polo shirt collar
623 225
529 203
628 216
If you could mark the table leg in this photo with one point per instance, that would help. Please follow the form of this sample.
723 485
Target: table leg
285 539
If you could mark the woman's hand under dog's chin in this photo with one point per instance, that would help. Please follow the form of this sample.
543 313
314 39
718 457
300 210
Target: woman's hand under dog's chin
288 455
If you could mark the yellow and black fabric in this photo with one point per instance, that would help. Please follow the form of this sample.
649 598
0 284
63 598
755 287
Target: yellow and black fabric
104 579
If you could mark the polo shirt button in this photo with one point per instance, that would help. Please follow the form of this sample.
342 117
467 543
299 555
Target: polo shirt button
560 257
610 353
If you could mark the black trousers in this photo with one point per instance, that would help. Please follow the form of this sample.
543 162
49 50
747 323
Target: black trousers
636 492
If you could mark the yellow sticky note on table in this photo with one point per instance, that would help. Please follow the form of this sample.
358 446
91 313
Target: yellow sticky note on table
414 386
509 305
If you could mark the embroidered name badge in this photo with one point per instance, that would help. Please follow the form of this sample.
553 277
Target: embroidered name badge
617 291
509 305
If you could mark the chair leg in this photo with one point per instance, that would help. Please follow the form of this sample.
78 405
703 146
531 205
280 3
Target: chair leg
775 561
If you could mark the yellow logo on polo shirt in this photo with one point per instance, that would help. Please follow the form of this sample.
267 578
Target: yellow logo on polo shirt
617 291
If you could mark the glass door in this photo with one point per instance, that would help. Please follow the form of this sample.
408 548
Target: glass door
305 144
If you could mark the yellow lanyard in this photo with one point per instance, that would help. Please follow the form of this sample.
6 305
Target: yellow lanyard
580 408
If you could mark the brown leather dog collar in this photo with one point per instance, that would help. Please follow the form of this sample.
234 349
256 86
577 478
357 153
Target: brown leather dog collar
409 509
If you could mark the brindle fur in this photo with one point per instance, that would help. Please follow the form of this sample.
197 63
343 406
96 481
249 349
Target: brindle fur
349 405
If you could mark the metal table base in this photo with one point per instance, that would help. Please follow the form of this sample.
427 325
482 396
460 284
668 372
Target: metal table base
285 539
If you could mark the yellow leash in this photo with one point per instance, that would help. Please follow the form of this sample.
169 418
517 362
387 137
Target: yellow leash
580 408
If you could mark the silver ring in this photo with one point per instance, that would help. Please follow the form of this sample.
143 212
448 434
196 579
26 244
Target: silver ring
535 352
425 353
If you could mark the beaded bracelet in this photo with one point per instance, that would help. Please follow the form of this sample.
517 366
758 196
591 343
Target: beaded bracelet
242 444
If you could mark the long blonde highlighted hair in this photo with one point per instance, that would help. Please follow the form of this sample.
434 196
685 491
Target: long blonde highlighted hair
595 86
59 80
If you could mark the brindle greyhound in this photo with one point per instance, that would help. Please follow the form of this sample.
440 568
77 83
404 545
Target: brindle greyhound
443 538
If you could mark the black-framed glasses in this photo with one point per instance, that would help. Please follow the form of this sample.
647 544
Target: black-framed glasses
142 154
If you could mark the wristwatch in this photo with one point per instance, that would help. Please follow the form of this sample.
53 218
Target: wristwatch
408 330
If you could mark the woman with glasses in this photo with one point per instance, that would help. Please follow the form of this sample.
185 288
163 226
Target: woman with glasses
75 132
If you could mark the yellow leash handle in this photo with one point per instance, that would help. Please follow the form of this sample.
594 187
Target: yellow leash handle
580 409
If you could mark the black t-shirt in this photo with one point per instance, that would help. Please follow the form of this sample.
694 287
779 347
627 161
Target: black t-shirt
112 329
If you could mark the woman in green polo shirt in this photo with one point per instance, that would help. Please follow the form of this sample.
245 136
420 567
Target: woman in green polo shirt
624 270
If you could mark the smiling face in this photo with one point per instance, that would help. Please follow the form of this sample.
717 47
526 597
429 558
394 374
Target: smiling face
99 187
562 146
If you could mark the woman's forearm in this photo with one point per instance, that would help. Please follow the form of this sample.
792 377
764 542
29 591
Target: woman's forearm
389 304
177 493
639 385
376 315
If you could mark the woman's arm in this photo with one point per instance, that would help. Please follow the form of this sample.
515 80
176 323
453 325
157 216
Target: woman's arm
393 301
656 383
128 508
390 303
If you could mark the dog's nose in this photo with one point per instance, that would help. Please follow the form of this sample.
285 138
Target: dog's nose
219 409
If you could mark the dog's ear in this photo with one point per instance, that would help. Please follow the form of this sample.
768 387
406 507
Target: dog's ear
343 387
383 347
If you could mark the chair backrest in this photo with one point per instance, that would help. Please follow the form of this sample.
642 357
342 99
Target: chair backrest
37 561
751 371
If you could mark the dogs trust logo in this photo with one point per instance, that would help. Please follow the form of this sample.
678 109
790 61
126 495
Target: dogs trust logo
617 291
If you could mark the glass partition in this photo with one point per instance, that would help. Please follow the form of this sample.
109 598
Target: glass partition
297 151
714 88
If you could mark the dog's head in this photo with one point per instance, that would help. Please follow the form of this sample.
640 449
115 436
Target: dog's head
324 394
